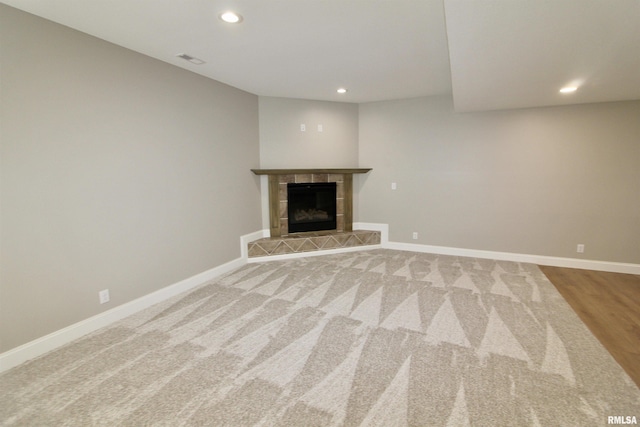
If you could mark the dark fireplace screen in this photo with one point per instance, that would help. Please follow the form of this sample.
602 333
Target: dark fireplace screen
312 206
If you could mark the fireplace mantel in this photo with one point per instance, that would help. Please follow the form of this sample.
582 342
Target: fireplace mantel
305 171
278 179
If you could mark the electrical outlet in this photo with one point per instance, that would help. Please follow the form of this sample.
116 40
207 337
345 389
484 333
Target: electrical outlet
415 235
580 248
303 127
320 128
104 296
393 186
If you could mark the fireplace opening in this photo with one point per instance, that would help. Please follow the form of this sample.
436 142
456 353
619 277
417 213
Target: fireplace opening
311 206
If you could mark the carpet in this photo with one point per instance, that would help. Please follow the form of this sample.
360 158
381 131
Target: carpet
369 338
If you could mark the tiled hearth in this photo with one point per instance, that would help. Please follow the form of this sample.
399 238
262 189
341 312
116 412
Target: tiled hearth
282 242
312 241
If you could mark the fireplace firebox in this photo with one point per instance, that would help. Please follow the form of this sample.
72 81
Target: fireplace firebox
311 206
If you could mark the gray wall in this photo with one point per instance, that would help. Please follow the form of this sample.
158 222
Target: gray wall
117 171
283 145
532 181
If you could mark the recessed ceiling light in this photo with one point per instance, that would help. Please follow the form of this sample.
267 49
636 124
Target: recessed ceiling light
568 89
231 17
342 90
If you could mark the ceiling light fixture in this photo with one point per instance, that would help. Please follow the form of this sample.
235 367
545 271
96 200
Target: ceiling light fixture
230 17
568 89
342 90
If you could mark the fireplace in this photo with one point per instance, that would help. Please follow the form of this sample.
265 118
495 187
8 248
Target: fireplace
329 194
278 195
311 206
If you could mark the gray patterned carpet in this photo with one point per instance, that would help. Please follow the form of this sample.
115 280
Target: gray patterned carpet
371 338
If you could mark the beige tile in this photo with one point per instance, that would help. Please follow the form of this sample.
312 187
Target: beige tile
297 236
341 238
269 245
319 241
320 177
283 209
295 244
331 243
282 248
336 177
282 191
362 237
368 237
339 190
306 177
286 178
352 241
255 250
308 246
313 241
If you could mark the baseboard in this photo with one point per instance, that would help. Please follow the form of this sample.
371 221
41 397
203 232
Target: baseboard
42 345
585 264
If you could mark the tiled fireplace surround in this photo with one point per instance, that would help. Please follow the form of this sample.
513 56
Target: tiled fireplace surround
282 242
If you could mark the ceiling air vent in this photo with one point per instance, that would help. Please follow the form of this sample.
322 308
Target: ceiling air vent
190 58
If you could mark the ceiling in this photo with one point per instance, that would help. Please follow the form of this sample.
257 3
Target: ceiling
490 54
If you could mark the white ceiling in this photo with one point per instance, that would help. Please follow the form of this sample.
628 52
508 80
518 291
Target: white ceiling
491 54
519 53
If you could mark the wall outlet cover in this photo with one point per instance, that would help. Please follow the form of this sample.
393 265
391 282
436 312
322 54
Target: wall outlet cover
104 296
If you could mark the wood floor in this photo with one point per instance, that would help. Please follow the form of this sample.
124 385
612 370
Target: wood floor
609 304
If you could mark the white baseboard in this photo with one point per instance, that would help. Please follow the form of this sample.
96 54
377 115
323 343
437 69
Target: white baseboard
585 264
42 345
